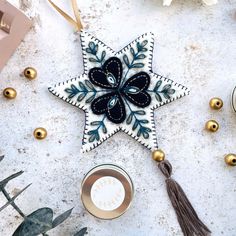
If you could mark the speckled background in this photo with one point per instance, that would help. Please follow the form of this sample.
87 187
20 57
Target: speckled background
195 46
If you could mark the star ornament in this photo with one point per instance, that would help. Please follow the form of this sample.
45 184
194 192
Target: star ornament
118 91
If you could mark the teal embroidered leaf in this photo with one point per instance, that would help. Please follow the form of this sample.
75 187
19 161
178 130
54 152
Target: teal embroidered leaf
126 61
93 50
158 97
158 84
143 121
95 123
129 119
138 123
94 134
82 87
132 52
103 55
137 65
85 89
104 129
166 91
166 87
89 85
91 59
140 112
81 97
139 55
135 125
90 99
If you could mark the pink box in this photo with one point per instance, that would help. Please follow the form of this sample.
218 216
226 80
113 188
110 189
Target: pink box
13 27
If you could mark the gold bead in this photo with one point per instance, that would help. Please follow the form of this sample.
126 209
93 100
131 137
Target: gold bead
212 126
216 103
40 133
158 155
30 73
230 159
9 93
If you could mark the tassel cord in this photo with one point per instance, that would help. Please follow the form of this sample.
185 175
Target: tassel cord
187 217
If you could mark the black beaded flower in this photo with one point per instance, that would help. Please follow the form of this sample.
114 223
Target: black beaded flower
117 93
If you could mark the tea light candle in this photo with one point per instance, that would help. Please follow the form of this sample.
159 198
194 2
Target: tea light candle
107 191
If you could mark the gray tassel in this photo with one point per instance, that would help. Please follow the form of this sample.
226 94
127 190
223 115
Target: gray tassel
187 217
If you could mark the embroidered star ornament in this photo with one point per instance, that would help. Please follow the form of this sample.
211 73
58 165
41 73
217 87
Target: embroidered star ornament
118 91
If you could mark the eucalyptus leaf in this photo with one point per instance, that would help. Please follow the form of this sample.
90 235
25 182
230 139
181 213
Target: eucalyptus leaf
13 176
38 222
82 232
1 158
61 218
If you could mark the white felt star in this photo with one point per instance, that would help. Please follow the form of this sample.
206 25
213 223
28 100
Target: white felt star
118 91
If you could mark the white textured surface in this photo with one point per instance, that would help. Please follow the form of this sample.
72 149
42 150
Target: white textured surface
195 46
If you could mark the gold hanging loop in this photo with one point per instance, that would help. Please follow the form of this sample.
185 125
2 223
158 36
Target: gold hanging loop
77 24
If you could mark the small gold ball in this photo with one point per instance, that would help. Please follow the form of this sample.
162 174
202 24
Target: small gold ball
230 159
212 126
40 133
30 73
216 103
9 93
158 155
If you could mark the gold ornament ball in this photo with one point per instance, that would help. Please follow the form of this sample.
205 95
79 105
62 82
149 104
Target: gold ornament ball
9 93
212 126
230 159
158 155
40 133
30 73
216 103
